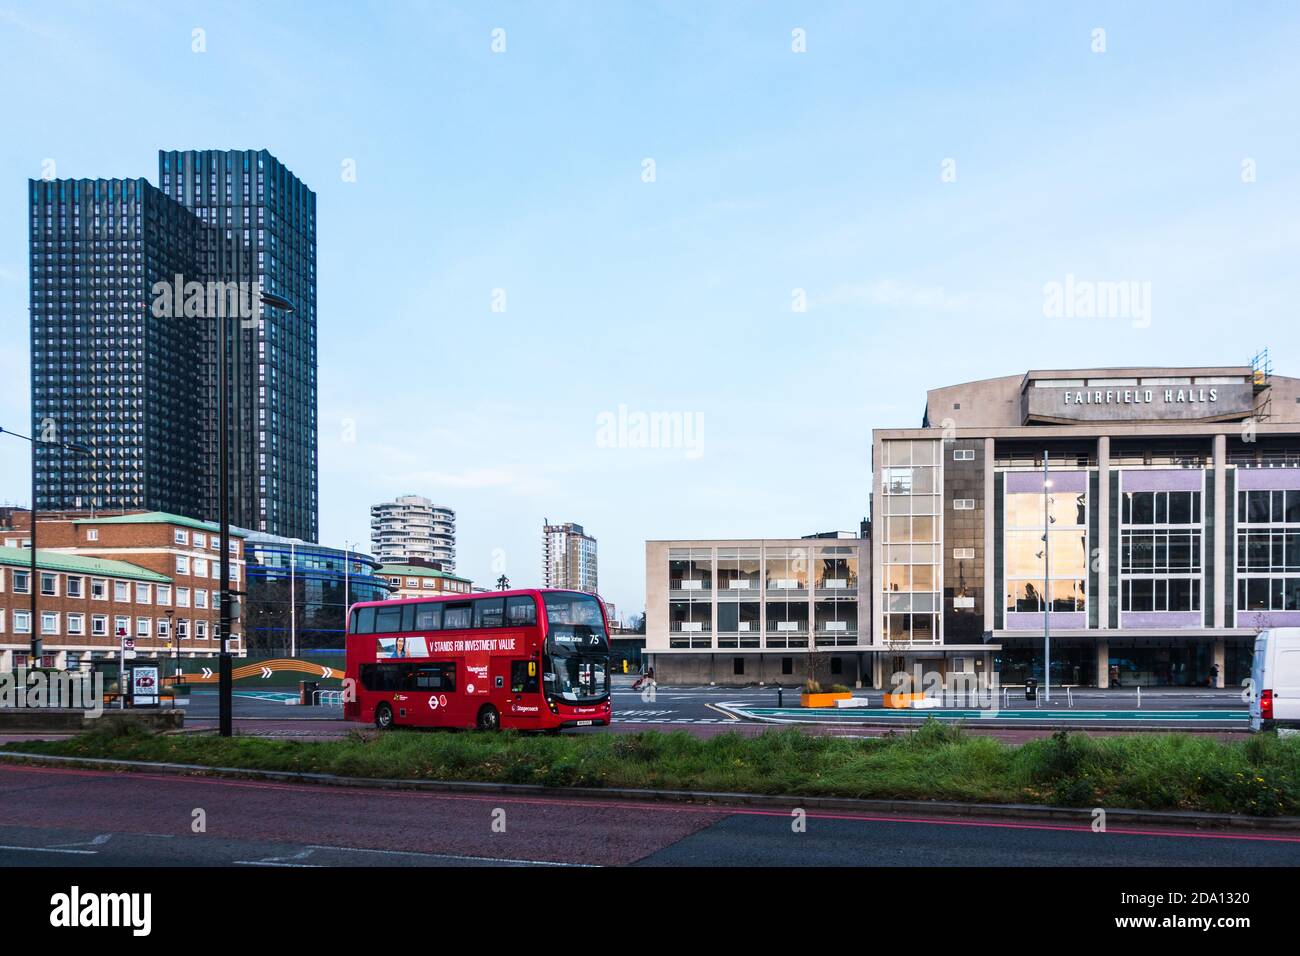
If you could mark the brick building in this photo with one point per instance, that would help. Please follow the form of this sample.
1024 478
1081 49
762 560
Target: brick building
150 573
416 580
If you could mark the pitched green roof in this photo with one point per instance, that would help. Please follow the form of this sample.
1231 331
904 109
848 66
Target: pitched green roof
415 570
161 517
58 561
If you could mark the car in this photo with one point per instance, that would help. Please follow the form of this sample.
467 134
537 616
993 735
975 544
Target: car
1275 680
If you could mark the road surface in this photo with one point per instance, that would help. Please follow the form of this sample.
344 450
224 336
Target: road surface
70 817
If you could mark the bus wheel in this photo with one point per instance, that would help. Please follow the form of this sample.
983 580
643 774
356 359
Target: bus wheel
383 716
489 719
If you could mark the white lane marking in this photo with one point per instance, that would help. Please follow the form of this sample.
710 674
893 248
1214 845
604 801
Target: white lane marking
305 866
97 841
449 856
46 849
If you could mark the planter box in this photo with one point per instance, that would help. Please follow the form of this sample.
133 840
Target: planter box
822 700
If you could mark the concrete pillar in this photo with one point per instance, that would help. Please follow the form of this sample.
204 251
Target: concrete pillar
1102 597
1103 662
1220 657
1220 526
991 593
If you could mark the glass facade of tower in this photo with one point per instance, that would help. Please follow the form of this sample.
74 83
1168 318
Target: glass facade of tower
261 223
107 373
137 385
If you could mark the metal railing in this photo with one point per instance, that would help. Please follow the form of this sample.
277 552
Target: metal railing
327 698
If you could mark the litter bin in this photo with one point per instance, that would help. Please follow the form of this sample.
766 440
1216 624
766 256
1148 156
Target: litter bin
1031 689
307 691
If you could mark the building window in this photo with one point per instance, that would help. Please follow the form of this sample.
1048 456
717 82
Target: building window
787 665
121 626
738 666
180 537
963 554
99 625
142 594
1027 559
49 584
690 624
182 597
963 454
182 630
92 534
738 623
22 583
787 624
49 622
1268 554
143 627
182 564
74 586
121 592
76 625
910 549
1160 551
200 630
22 622
963 504
99 589
164 594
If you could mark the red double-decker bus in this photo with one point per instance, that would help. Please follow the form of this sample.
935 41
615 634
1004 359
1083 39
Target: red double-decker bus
529 660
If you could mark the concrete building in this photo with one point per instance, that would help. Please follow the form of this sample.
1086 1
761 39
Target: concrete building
568 557
1173 502
413 528
775 610
421 580
143 573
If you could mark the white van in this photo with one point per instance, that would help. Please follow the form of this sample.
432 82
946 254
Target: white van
1275 676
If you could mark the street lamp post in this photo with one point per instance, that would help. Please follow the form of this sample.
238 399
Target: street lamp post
1047 585
347 580
33 581
225 724
176 643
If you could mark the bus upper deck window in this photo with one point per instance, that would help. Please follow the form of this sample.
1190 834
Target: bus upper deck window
521 611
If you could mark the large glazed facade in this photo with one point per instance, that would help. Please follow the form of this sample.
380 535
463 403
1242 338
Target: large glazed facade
777 610
114 370
299 594
261 228
1173 503
107 374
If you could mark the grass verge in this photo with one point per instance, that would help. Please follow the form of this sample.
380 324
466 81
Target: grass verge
1258 776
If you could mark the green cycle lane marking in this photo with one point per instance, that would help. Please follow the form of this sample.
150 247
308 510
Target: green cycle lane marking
873 713
272 695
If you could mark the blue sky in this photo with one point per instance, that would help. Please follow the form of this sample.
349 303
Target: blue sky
774 171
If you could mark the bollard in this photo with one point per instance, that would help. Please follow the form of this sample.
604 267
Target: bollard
780 697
